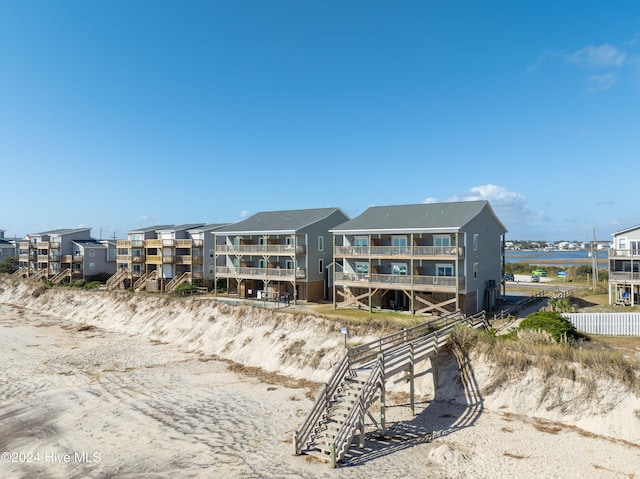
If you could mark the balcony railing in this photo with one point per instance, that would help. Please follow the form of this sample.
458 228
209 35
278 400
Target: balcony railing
71 258
624 276
395 251
153 243
624 253
188 259
43 258
261 249
399 281
260 273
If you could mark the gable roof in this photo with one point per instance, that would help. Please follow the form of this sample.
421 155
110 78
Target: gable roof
148 229
279 221
626 230
430 216
62 231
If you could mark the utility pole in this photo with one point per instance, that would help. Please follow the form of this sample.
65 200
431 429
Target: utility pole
594 261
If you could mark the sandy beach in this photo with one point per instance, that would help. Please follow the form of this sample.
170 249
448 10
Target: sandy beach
81 399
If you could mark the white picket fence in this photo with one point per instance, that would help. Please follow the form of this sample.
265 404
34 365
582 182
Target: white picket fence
610 324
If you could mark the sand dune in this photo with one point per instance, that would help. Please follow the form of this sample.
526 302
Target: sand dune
124 392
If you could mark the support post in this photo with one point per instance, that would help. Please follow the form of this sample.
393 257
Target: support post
412 399
383 424
332 455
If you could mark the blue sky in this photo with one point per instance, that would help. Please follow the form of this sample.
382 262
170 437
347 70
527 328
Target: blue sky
121 114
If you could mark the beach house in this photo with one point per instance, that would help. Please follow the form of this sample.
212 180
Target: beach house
277 255
425 258
64 253
624 267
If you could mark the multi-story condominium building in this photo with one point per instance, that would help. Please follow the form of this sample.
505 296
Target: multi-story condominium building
64 253
162 257
131 258
425 258
8 248
278 254
624 267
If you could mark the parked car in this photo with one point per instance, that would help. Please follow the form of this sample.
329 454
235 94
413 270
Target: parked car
539 272
509 277
535 278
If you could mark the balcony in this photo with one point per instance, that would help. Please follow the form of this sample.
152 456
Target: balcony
398 281
624 277
154 259
43 258
261 249
24 258
261 273
188 259
421 252
624 254
69 258
153 243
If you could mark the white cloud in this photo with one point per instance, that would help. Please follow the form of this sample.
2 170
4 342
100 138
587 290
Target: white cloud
603 56
430 199
601 82
496 195
244 214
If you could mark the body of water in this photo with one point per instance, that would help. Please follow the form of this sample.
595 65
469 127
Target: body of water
556 258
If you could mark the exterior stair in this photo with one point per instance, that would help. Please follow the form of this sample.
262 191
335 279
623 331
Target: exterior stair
58 278
141 283
22 272
338 414
117 278
172 285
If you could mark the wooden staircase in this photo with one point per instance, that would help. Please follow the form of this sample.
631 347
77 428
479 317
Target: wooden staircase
117 278
141 283
58 278
22 272
39 275
339 413
172 285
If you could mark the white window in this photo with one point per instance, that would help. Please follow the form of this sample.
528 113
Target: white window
320 243
92 253
362 268
399 268
289 241
475 242
92 266
211 253
361 241
210 269
443 269
475 270
442 240
321 266
399 245
622 243
288 264
262 263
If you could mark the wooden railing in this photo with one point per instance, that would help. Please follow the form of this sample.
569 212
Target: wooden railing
404 280
177 281
65 273
624 253
382 359
443 252
263 249
259 273
623 276
114 281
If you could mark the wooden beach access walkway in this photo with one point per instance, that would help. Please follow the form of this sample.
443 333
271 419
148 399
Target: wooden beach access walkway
338 415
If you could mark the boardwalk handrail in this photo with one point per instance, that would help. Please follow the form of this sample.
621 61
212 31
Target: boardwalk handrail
394 349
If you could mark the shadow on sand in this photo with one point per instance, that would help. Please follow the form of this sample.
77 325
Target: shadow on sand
439 418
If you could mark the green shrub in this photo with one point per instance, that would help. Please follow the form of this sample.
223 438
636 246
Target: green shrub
559 327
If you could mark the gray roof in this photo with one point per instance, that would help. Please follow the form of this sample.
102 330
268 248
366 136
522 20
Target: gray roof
89 242
147 229
180 227
209 227
431 216
278 221
62 231
626 230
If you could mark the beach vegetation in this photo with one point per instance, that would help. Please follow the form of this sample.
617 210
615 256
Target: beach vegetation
9 265
531 349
